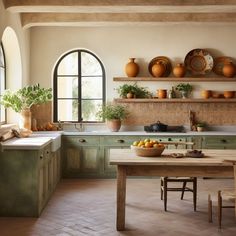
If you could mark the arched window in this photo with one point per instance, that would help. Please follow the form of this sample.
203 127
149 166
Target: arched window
2 82
79 87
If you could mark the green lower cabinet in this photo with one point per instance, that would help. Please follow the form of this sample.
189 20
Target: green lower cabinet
26 181
81 156
219 142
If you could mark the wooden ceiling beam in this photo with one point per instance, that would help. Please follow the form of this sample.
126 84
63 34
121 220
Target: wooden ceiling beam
111 5
36 19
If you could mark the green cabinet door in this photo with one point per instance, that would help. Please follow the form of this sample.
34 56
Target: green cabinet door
219 142
81 156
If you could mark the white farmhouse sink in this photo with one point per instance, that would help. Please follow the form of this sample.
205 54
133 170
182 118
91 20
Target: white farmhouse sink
54 136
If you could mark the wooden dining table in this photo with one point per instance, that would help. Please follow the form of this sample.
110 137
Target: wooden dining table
215 163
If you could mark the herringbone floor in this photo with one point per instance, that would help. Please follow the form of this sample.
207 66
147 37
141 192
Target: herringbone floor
88 207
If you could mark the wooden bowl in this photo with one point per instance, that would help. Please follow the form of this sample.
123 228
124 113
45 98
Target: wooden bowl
229 94
148 152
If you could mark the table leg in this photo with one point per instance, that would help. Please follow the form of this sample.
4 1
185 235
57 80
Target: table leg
121 194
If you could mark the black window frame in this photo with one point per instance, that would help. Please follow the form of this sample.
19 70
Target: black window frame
79 76
4 61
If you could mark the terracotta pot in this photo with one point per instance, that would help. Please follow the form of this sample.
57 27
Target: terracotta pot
206 94
179 70
158 69
229 94
132 68
162 93
229 70
200 129
129 95
114 125
25 119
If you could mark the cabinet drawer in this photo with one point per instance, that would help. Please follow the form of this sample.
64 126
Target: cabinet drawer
118 140
82 140
220 141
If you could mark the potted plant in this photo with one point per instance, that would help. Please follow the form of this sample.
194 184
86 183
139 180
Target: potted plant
113 114
23 99
185 89
133 91
200 127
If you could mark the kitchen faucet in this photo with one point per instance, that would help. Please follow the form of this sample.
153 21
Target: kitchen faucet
81 126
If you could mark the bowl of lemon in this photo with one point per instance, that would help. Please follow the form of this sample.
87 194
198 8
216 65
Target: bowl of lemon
148 148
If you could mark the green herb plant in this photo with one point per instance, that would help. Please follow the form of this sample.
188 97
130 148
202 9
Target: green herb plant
186 87
112 111
25 97
137 91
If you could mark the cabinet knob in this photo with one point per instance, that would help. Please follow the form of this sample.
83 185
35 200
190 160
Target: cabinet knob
41 157
169 139
223 141
82 140
120 141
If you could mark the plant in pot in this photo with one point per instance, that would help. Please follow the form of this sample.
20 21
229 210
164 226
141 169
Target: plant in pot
185 89
113 114
200 126
23 99
133 91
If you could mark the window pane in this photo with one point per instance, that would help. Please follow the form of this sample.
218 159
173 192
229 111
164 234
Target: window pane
67 110
90 65
2 64
90 108
69 65
67 87
91 87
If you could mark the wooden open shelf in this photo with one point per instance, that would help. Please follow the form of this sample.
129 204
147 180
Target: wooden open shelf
173 79
175 100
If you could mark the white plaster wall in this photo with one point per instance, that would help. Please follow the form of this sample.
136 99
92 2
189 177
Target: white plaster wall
21 77
114 45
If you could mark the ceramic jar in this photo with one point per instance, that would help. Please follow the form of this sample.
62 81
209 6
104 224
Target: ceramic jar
25 119
179 70
162 93
229 94
158 69
132 68
206 94
229 70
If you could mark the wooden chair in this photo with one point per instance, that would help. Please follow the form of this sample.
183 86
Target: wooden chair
183 180
184 188
223 196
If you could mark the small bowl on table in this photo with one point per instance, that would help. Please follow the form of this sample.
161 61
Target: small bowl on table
148 152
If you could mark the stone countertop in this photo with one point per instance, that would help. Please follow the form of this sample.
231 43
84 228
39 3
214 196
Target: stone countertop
143 133
39 140
35 141
29 143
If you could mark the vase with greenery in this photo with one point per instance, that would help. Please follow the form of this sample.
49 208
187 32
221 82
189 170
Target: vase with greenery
23 99
113 114
133 91
200 126
185 89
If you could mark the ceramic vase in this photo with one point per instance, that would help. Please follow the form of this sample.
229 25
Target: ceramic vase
179 70
206 94
229 70
25 119
158 69
114 125
132 68
162 93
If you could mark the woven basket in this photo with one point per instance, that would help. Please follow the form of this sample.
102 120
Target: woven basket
148 152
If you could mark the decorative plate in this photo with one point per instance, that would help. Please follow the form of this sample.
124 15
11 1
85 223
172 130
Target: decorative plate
219 63
165 61
199 62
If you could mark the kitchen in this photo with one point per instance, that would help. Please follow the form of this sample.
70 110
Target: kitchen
43 40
